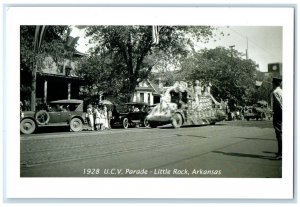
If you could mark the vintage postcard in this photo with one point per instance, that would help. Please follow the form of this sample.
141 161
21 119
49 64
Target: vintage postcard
160 100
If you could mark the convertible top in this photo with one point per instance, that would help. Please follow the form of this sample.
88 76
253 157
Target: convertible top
71 101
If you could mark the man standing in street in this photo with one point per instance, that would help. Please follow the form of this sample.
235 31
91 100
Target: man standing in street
277 113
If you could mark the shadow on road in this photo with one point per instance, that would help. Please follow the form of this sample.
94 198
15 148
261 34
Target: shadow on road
201 137
269 152
254 138
52 129
169 126
245 155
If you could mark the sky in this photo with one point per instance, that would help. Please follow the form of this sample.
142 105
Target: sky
264 42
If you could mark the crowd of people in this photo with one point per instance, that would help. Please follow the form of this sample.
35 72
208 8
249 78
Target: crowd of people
99 117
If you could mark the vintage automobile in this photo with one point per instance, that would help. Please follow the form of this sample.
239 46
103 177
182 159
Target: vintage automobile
252 113
131 114
258 111
56 113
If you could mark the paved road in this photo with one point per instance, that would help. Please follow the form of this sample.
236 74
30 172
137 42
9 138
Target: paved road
238 149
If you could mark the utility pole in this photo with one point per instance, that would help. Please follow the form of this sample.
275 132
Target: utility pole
247 50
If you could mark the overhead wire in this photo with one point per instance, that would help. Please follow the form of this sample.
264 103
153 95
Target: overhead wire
246 37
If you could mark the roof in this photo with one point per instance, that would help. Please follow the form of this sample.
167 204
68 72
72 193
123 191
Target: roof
67 101
60 76
77 53
151 87
154 86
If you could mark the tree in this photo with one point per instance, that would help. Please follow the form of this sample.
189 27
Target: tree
133 52
102 75
37 42
263 92
232 76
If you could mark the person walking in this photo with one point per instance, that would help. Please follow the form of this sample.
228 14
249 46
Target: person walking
277 113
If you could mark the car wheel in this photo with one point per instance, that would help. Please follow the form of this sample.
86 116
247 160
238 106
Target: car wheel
177 120
146 123
152 125
42 117
125 123
76 125
27 126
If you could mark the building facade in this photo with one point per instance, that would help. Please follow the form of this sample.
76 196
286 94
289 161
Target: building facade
57 81
147 92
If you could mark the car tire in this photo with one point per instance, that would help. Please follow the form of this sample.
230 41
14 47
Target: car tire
146 123
125 123
42 117
27 126
76 125
152 124
177 120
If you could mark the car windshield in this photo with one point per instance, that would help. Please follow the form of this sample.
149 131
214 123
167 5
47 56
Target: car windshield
136 107
132 107
63 106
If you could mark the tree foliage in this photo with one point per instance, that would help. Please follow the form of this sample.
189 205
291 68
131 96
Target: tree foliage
232 77
53 44
52 40
102 75
133 54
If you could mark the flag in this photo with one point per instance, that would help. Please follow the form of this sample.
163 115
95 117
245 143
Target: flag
38 37
155 35
72 37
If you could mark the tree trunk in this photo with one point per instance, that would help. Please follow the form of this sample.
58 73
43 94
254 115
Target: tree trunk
132 86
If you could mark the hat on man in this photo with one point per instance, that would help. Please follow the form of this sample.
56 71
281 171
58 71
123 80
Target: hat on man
277 81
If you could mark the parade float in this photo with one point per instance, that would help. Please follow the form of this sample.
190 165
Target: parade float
186 105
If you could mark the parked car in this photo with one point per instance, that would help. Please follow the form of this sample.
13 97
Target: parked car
56 113
260 110
130 115
253 112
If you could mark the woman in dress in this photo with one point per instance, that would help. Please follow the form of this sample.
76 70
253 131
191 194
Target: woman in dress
90 116
97 119
105 117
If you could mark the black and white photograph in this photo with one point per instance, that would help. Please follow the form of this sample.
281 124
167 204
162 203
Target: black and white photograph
149 102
